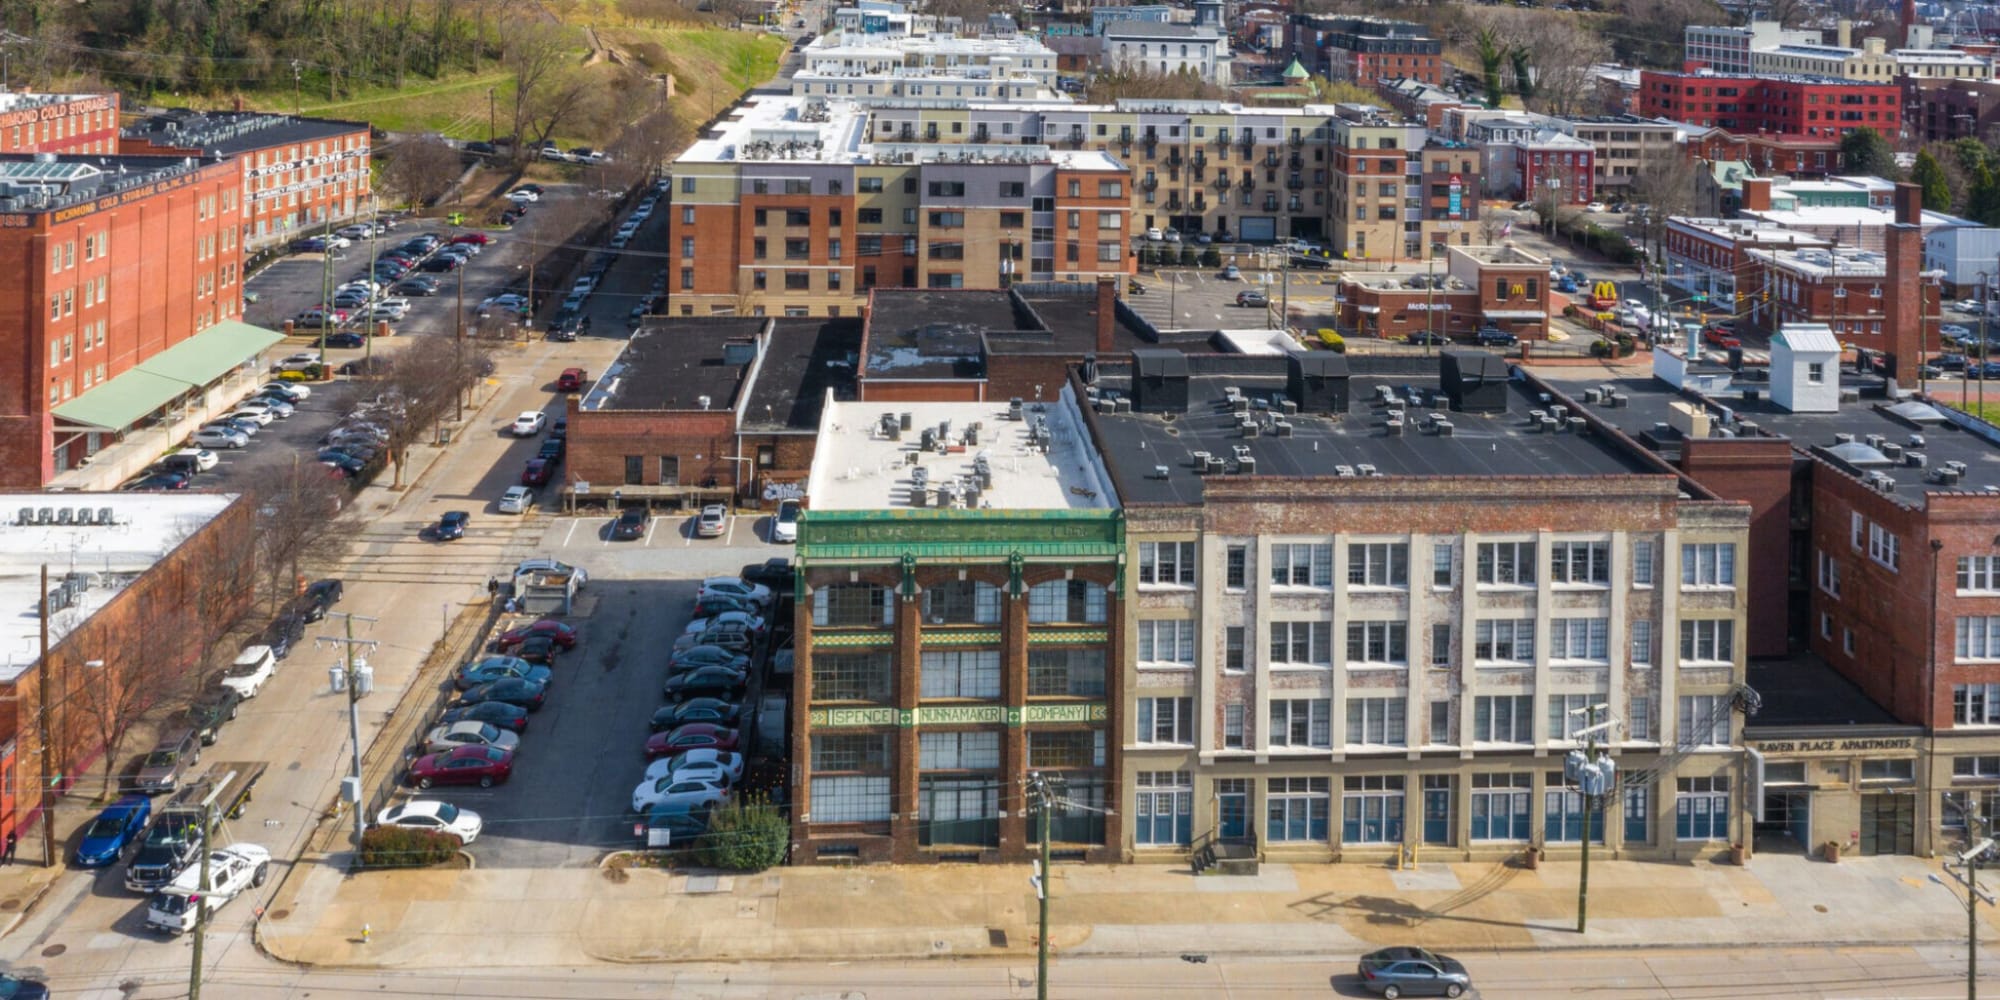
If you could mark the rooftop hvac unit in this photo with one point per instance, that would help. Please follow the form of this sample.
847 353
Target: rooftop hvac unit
1915 459
1246 465
1344 471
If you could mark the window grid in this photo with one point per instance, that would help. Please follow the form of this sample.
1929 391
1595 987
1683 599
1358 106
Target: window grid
1301 722
1507 564
1376 722
1301 565
1166 720
1704 720
960 673
1503 719
1708 565
1708 640
1302 643
1580 563
1166 641
1378 564
1975 704
850 676
1166 563
1503 640
1580 639
1979 573
1385 642
1976 637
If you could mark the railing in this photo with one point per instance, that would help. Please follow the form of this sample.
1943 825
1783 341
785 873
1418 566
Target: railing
1222 182
1295 182
1149 183
1200 159
1295 161
1271 159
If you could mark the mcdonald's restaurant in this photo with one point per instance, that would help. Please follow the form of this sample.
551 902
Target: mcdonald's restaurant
1465 289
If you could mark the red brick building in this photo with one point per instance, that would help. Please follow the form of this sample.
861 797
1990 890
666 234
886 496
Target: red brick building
122 277
1502 286
1799 105
1556 162
58 123
1873 300
297 174
1364 50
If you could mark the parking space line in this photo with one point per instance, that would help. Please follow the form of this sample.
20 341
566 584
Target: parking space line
687 540
651 523
571 533
608 522
729 533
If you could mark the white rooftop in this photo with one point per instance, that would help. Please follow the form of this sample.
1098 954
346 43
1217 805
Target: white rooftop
145 527
1845 216
857 467
841 44
827 130
1825 261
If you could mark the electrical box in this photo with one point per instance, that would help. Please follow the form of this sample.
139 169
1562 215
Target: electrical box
350 789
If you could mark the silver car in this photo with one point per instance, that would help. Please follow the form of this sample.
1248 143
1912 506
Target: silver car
1413 972
516 500
471 734
216 437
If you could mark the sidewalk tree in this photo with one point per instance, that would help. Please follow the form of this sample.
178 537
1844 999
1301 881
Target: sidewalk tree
148 673
1928 174
296 509
1666 186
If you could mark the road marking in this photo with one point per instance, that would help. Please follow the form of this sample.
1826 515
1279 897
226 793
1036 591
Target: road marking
651 523
607 532
571 533
693 529
729 533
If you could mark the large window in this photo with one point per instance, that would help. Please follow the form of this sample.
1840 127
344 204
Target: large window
1067 749
1378 643
962 602
1979 574
1371 809
1503 718
1976 638
1378 564
856 797
1580 639
1166 640
961 673
1166 563
1301 565
1701 811
1562 814
1704 720
1441 564
1642 641
1500 808
848 605
1642 564
1884 547
1076 672
958 811
850 676
1708 640
1295 810
1580 563
1066 601
1503 640
1376 722
1301 722
1507 564
948 750
1565 715
1164 808
1166 720
1708 565
1302 643
1975 704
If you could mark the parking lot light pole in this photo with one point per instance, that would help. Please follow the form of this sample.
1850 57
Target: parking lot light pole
357 679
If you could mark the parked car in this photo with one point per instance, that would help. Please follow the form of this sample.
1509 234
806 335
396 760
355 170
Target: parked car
691 791
738 619
552 449
571 380
289 392
284 632
1406 971
538 472
1229 273
736 587
170 760
495 668
734 639
715 604
538 649
631 523
215 706
700 758
219 437
469 734
512 690
712 521
516 500
420 285
161 482
499 713
563 634
1252 297
320 597
482 766
710 710
775 573
1493 336
435 816
529 423
706 656
114 830
451 526
522 194
785 523
694 736
1429 337
706 682
472 239
1720 336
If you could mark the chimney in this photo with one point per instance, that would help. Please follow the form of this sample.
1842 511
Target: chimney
1107 313
1756 194
1903 292
1843 33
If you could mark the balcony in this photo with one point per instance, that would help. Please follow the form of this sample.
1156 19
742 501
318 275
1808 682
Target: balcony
1249 143
1174 157
1271 159
1294 205
980 134
1200 204
1125 136
1152 140
1173 202
1149 183
930 133
1296 140
1075 138
907 133
1222 181
1270 203
1295 182
1295 162
1221 140
1200 159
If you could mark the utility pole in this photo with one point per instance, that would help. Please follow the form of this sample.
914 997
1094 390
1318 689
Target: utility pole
357 679
1046 790
1592 771
458 344
297 67
1964 870
492 118
374 245
51 760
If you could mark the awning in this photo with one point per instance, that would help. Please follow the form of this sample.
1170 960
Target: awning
1370 310
188 365
1514 314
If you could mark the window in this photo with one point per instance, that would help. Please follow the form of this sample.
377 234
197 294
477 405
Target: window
1440 728
798 281
947 189
1580 563
1166 641
687 215
1977 638
843 752
850 798
958 751
1234 649
1376 722
1441 644
1234 572
1855 523
1111 189
948 220
1708 640
1639 721
1295 809
869 185
1166 720
1883 547
960 673
1975 704
1829 574
1371 809
1165 808
1166 563
1381 642
962 602
1503 640
1301 722
1580 639
1642 642
1708 565
1847 641
1076 748
1013 189
848 605
1565 715
1066 601
1441 564
1067 673
1232 726
1503 719
850 676
1507 563
1302 643
1301 565
1500 806
1704 720
1980 573
1378 564
1701 810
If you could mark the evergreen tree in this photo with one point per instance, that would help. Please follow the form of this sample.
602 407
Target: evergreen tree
1929 174
1983 203
1864 151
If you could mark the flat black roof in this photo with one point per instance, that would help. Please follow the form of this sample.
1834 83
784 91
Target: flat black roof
1804 690
806 357
227 133
1874 413
672 365
1501 444
1064 322
933 333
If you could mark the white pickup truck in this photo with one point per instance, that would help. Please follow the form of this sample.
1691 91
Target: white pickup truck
231 870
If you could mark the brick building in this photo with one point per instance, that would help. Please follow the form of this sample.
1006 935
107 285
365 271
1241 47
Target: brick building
297 174
1364 50
1396 190
125 277
1625 145
1504 287
69 124
1794 105
1555 162
1707 256
1948 110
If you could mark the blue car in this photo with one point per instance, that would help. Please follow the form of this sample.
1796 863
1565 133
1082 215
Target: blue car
495 668
114 829
452 525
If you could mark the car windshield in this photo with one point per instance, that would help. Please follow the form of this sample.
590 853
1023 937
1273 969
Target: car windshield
104 826
172 903
787 514
161 758
447 812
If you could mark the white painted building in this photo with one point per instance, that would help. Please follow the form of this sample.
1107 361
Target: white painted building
1149 47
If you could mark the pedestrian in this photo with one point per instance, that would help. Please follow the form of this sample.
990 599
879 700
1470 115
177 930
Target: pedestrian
492 585
12 840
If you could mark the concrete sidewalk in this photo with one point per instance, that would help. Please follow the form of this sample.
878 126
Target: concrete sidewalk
566 916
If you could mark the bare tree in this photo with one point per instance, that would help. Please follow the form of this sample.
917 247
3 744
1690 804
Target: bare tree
145 676
1665 184
1491 225
536 54
1556 52
420 171
426 384
297 512
1109 86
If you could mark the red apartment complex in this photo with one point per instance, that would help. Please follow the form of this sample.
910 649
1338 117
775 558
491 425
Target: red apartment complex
1801 105
297 174
58 123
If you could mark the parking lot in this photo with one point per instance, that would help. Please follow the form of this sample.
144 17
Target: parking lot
1202 299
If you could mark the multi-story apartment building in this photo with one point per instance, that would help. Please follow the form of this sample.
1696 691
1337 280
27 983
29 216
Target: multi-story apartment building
1624 145
960 625
1872 61
862 65
297 174
1365 50
1941 64
795 206
124 274
1562 165
58 123
1397 191
1729 48
1345 642
1801 105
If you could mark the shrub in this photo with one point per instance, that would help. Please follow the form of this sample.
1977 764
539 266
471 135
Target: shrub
402 847
1211 257
1190 257
746 834
1332 341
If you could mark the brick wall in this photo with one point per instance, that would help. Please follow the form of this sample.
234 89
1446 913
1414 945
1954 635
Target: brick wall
599 442
1757 471
1442 504
1889 612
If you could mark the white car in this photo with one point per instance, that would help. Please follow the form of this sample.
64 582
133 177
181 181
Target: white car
299 390
583 285
519 195
1966 305
730 586
231 871
431 814
357 285
516 500
703 758
470 733
785 523
1153 233
619 239
203 459
262 417
247 428
216 437
300 360
356 232
530 423
1953 331
253 667
725 620
671 790
275 407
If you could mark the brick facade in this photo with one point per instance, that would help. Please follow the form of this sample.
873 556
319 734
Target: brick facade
699 444
78 124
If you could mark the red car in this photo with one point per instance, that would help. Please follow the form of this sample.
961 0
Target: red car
482 766
564 635
694 735
477 239
571 380
1720 336
538 472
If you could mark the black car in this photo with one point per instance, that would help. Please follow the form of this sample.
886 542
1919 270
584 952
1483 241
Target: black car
631 523
341 460
775 573
1430 337
480 148
216 706
497 713
1493 336
512 215
345 340
705 682
439 265
323 594
415 286
553 447
559 430
160 481
537 649
568 324
722 713
282 634
377 366
512 690
451 526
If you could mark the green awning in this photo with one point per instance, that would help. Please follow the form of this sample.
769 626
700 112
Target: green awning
115 405
188 365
